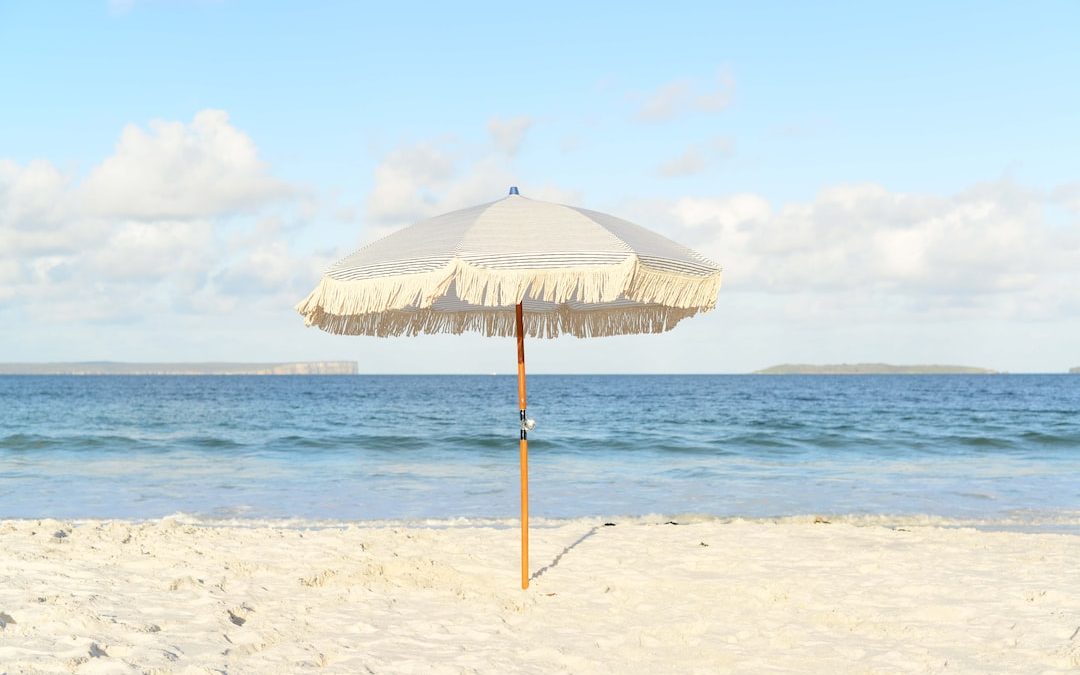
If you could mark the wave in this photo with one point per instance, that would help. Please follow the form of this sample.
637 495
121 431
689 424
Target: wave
36 442
112 443
760 444
1040 438
982 442
211 442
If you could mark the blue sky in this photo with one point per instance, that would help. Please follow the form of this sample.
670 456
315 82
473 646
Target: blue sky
889 183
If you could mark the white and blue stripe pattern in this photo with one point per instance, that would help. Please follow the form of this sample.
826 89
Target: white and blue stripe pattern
576 271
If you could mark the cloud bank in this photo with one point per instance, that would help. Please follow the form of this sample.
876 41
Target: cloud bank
154 228
187 219
989 250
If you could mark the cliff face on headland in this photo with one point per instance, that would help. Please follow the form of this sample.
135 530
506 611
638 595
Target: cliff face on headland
1075 371
113 368
870 369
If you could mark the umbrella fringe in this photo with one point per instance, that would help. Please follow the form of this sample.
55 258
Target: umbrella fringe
671 289
485 287
363 296
593 323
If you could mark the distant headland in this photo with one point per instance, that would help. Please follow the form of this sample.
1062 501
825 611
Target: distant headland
1075 371
210 368
870 369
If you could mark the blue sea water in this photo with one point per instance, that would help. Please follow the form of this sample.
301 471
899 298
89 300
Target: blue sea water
998 448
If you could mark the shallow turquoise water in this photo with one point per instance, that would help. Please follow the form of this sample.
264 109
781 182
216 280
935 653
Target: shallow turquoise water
408 447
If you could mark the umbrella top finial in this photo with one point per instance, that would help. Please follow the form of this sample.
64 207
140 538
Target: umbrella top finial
514 190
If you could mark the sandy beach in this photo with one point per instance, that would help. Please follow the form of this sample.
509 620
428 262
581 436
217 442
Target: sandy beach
174 596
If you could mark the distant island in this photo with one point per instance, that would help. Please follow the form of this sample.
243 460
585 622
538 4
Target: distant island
870 369
1075 371
210 368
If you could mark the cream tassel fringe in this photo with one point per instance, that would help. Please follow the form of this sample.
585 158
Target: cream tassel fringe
500 322
629 280
401 305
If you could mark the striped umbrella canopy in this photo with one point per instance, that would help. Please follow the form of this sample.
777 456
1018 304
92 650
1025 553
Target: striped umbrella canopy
515 267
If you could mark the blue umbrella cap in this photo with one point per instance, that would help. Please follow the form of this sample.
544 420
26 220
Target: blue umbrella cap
514 190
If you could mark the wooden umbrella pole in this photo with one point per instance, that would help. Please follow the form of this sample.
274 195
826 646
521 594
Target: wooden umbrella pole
524 449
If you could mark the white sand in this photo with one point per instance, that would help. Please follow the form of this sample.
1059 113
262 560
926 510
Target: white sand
167 596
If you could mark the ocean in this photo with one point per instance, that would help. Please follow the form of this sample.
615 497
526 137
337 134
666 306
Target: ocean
986 449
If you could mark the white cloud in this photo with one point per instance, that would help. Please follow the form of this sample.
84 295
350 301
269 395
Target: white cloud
424 179
403 179
148 251
690 162
717 97
509 134
665 102
725 213
178 170
695 158
31 193
683 95
155 227
988 249
1068 195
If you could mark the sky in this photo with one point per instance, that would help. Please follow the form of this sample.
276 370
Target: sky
885 182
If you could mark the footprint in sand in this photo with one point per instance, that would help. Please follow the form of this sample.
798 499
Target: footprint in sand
239 615
185 582
318 580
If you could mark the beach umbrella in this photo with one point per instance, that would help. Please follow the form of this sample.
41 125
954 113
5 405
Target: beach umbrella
515 267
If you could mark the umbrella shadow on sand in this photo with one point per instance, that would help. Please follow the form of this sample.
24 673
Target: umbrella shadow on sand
555 561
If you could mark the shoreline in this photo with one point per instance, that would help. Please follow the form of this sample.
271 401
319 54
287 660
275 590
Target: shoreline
1066 519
